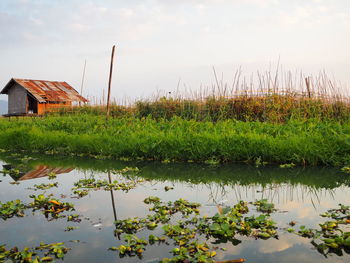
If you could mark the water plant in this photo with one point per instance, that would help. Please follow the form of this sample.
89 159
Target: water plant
193 252
80 193
44 186
56 249
15 173
11 209
74 218
49 206
222 227
30 255
231 221
264 206
331 237
95 184
134 246
52 176
70 228
168 188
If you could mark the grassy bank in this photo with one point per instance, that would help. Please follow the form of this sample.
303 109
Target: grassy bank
307 142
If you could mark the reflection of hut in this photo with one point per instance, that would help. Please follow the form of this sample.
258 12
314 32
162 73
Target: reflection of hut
42 171
38 96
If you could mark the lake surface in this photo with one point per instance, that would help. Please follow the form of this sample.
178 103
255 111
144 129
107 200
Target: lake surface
299 194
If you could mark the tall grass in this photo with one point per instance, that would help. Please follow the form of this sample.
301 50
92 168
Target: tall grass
301 142
269 97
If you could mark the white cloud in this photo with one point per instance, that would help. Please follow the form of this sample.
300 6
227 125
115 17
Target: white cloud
127 12
79 28
162 38
36 21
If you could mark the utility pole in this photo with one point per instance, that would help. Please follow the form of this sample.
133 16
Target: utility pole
110 82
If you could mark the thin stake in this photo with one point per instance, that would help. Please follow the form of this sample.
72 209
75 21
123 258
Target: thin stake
216 79
110 82
307 82
82 81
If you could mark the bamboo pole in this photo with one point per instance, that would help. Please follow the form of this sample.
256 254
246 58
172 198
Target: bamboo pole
82 81
110 82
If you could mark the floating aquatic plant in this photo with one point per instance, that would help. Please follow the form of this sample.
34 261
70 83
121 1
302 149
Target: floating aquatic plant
50 206
134 246
70 228
168 188
44 186
222 227
105 185
30 255
193 252
80 193
56 249
332 236
52 176
74 218
11 209
264 206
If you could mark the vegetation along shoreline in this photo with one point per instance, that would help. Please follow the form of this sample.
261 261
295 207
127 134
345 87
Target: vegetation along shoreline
296 141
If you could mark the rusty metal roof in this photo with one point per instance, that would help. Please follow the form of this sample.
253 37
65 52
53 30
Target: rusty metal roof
43 170
47 91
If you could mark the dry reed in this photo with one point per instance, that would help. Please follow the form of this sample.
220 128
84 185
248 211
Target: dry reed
272 97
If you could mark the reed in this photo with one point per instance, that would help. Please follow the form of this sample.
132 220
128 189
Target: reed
267 98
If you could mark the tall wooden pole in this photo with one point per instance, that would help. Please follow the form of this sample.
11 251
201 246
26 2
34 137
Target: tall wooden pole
82 81
110 82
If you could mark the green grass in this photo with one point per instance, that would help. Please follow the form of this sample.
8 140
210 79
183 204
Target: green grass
308 142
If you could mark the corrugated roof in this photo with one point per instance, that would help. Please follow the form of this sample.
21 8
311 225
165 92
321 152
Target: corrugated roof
43 170
45 91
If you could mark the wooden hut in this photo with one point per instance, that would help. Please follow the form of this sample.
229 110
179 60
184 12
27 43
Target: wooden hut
27 96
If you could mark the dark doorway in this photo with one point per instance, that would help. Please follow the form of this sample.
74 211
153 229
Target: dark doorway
32 105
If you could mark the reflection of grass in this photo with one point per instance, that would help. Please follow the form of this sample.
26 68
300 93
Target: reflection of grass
278 193
263 178
299 142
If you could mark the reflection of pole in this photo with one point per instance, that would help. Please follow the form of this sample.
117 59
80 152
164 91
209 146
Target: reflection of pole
112 197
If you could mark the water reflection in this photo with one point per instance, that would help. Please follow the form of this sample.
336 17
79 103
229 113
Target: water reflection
38 172
112 197
300 194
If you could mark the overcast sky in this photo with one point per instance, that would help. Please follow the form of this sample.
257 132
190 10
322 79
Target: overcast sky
160 41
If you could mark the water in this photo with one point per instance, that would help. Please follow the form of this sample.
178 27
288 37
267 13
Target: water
299 194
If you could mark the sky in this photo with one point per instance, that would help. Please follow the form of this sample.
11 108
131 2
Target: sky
161 43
